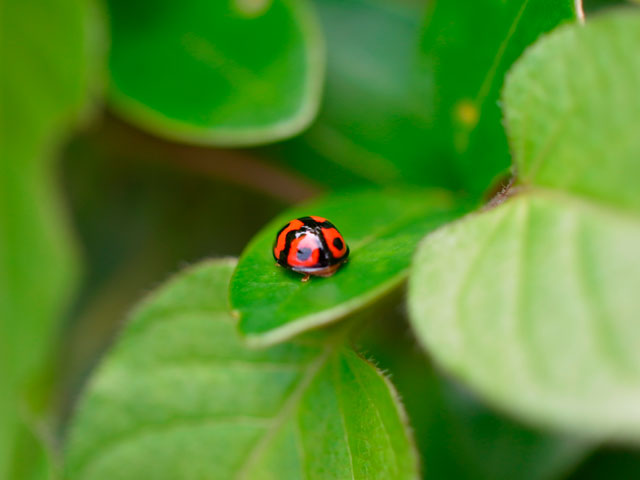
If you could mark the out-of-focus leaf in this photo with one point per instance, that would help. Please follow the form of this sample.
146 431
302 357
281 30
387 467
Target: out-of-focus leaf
378 102
381 229
377 106
471 44
140 207
181 397
534 303
609 463
592 6
226 72
573 111
44 82
459 437
31 460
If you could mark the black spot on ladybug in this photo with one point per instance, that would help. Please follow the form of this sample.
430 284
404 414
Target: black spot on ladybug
303 254
338 243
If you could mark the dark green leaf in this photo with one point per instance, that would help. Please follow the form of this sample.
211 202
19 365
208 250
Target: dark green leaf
471 44
381 229
378 102
227 72
181 397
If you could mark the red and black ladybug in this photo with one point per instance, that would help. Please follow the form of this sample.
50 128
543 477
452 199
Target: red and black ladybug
311 246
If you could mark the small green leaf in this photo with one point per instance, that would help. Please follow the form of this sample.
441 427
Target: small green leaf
226 72
181 397
381 229
573 110
471 44
535 305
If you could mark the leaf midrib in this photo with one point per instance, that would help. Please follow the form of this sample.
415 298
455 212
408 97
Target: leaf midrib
283 415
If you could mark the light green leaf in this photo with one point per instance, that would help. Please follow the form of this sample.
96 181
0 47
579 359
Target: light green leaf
228 72
534 304
44 50
382 230
40 97
471 44
573 110
181 397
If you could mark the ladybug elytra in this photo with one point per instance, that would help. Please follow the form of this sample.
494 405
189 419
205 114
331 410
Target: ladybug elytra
311 246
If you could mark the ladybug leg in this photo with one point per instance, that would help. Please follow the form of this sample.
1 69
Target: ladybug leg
306 278
278 265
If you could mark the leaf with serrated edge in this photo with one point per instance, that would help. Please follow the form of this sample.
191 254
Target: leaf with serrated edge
180 396
381 229
227 73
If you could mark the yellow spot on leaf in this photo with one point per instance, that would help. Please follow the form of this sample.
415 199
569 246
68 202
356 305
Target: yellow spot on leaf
466 113
252 8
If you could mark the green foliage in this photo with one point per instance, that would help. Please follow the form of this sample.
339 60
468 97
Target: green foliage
39 98
181 397
34 247
532 303
232 72
469 59
381 230
557 99
377 103
239 369
459 437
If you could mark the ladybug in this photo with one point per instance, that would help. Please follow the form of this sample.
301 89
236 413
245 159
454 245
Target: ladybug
311 246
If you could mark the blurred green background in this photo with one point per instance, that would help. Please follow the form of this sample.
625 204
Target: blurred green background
108 184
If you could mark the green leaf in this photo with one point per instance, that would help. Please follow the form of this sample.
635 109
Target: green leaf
471 44
233 72
44 48
381 229
378 103
534 304
572 111
458 436
181 397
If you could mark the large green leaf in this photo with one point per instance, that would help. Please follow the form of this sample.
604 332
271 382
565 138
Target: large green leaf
44 81
227 72
534 303
382 230
471 44
181 397
573 111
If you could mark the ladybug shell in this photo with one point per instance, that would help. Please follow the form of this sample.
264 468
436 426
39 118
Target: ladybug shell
310 245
